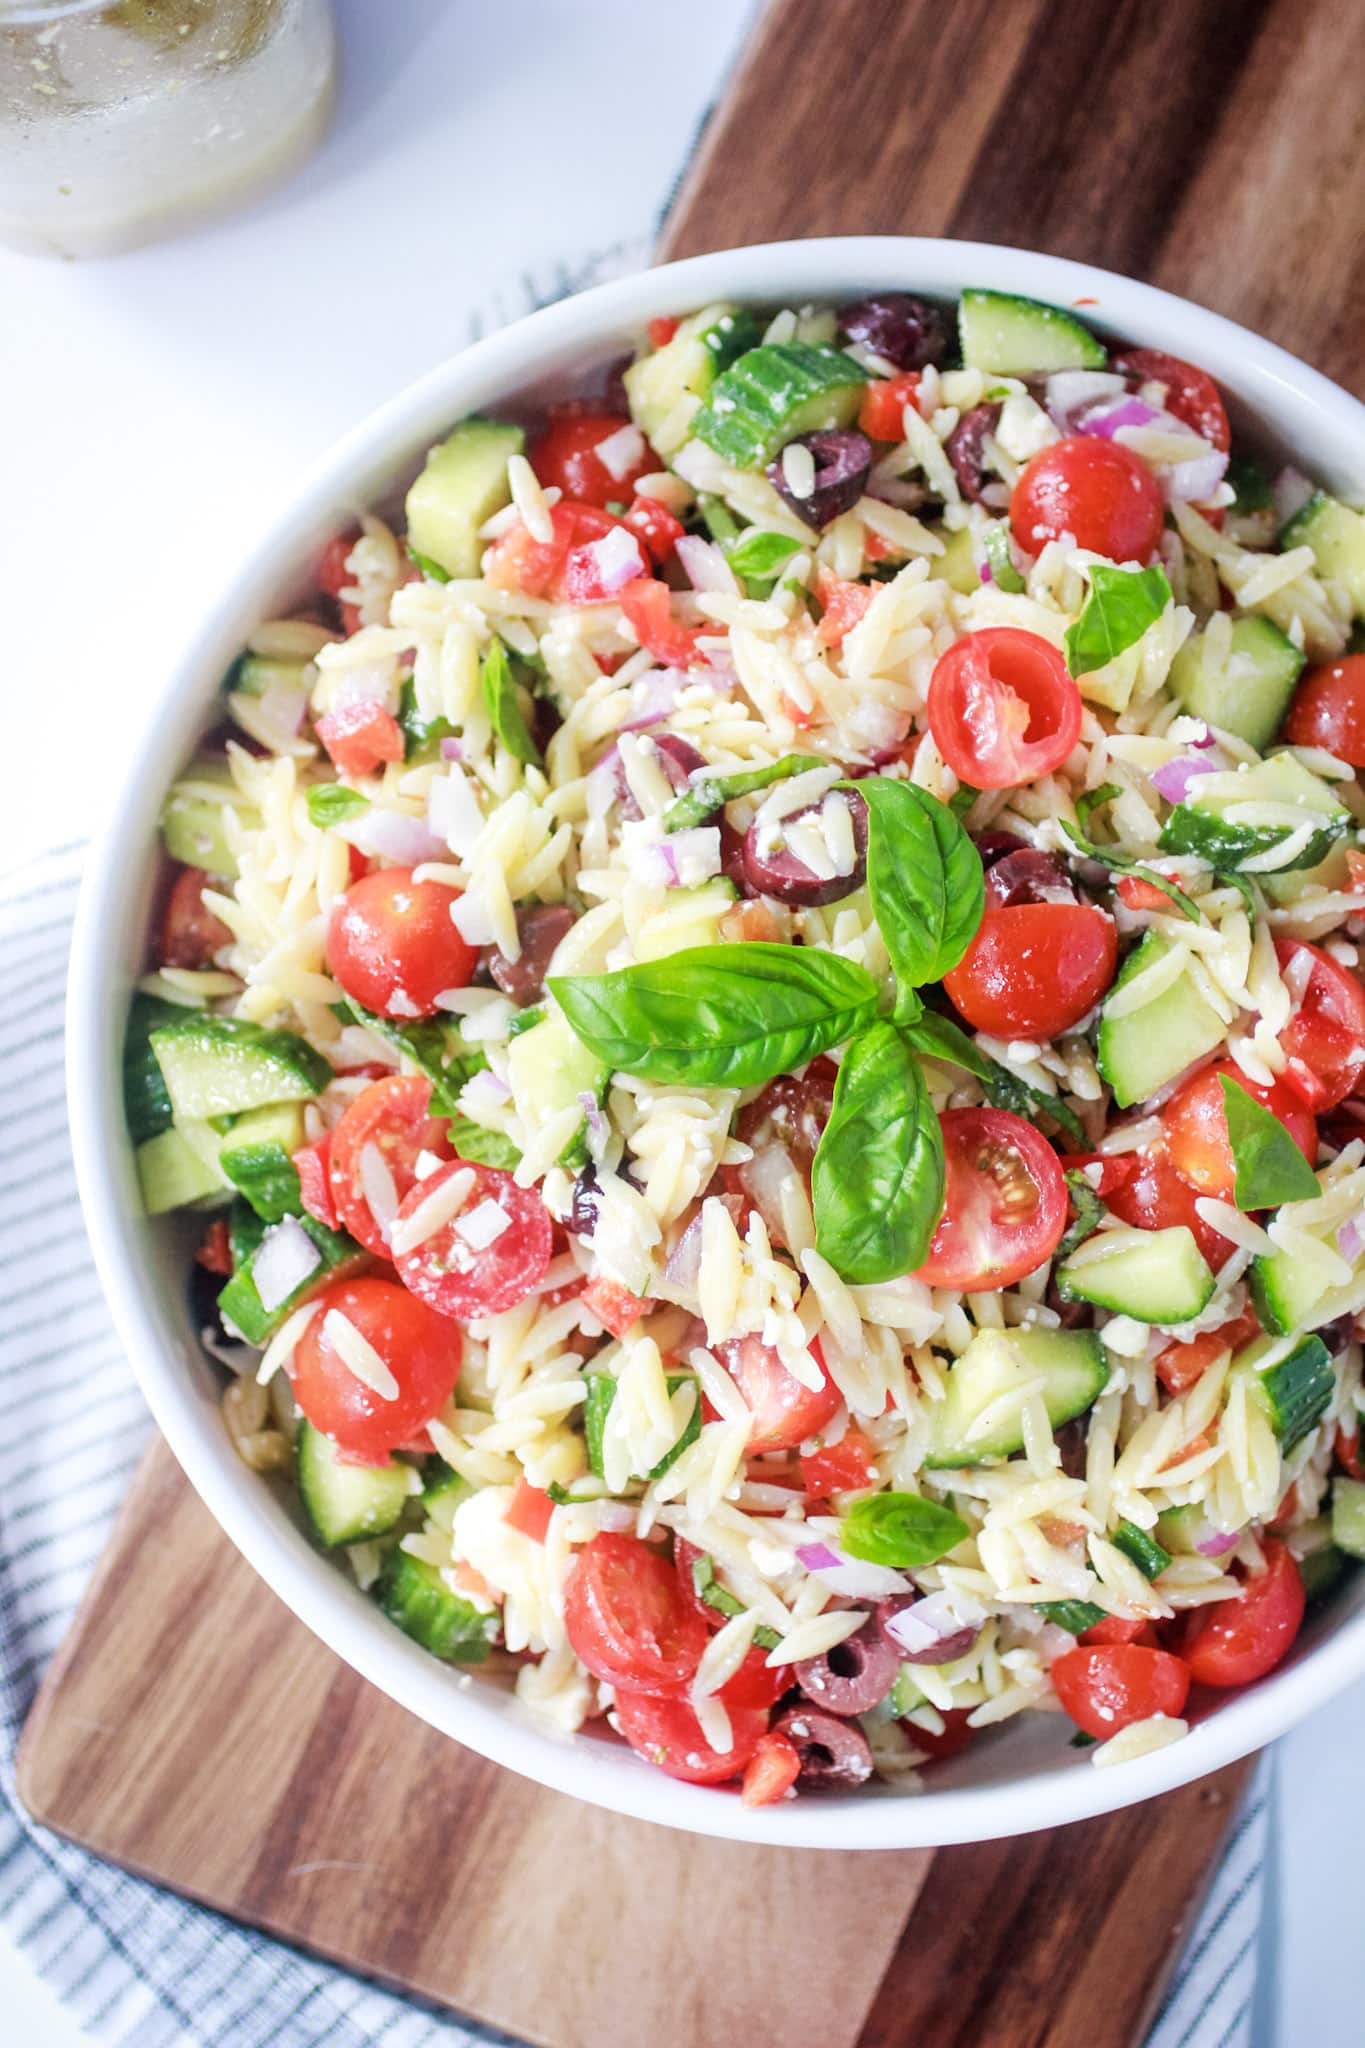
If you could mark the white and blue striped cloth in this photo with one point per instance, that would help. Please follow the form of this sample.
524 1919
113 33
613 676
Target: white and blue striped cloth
137 1966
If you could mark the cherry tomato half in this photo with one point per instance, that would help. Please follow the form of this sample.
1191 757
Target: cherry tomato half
881 415
565 455
785 1413
458 1269
1034 969
1157 1198
668 1733
421 1351
792 1113
519 562
392 1116
1109 1687
334 576
1097 491
845 1467
1002 708
392 946
1236 1641
190 932
1005 1202
1324 1040
1329 710
627 1617
1195 1125
1191 394
957 1733
771 1772
359 738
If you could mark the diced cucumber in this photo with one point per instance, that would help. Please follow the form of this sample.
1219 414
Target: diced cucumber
905 1695
1140 1051
1016 337
1155 1276
1320 1569
1000 561
240 1302
597 1406
146 1105
442 1491
687 917
1144 1550
254 674
1290 1290
192 817
1348 1515
1071 1364
1182 1530
217 1066
1075 1616
774 393
1296 1393
685 368
345 1503
1336 535
245 1231
413 1593
957 564
1289 884
1207 824
257 1157
172 1172
463 484
549 1069
1250 693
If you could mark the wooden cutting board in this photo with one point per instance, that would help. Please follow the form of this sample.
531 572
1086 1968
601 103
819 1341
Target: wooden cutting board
214 1745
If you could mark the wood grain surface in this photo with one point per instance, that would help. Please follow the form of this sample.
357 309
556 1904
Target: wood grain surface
1212 146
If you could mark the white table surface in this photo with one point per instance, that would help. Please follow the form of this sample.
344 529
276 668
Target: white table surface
157 407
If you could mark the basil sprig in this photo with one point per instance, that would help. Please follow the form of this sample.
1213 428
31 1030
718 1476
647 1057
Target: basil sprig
707 789
720 1016
501 702
1089 1213
759 553
924 876
941 1039
877 1179
1122 604
1270 1167
902 1530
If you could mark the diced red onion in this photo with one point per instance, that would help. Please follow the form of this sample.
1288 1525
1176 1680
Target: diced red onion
1204 738
896 491
1350 1239
1216 1546
762 1178
682 1267
927 1631
818 1557
1070 391
1105 420
452 750
653 695
1173 778
656 864
594 1118
705 565
1291 491
284 1259
485 1090
987 573
1193 482
393 835
851 1575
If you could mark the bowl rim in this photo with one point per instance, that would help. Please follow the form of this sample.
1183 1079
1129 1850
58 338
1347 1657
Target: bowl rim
100 969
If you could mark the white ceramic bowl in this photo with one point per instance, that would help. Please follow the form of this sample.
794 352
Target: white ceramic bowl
1025 1775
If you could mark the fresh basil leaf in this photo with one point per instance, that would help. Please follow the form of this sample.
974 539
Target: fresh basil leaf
758 553
331 803
1092 800
962 799
901 1530
1000 561
437 1051
1122 604
707 788
433 571
480 1146
421 736
719 1016
1270 1167
925 878
877 1180
503 706
941 1039
709 1589
1088 1217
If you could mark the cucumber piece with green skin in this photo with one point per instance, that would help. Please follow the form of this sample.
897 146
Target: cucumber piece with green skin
1320 1570
254 674
345 1503
1294 1291
1071 1364
687 918
1154 1276
1336 535
413 1594
172 1172
686 367
464 482
146 1104
548 1070
1348 1515
1016 337
219 1066
1206 824
1000 561
957 564
905 1695
709 788
245 1231
1142 1050
257 1157
1075 1616
1182 1530
775 393
597 1406
1143 1549
442 1491
240 1303
192 818
1250 692
1293 1394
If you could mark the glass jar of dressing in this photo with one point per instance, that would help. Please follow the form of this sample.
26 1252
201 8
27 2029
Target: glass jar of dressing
120 123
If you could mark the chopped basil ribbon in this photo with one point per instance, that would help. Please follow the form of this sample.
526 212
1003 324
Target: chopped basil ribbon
331 803
1122 863
1122 604
1270 1167
941 1039
901 1530
503 706
757 553
1088 1217
438 1052
707 789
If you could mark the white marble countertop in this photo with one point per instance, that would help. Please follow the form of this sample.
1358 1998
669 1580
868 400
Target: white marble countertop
159 406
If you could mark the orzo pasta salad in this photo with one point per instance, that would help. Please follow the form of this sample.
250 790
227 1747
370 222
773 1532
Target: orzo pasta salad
762 995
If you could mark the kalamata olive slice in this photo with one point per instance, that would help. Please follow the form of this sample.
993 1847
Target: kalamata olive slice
587 1200
853 1676
904 330
966 448
842 458
945 1651
791 1113
1028 876
677 757
540 927
1073 1441
780 873
832 1752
